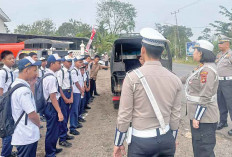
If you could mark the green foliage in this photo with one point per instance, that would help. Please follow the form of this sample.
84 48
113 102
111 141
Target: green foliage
40 27
177 47
74 28
116 16
224 28
205 34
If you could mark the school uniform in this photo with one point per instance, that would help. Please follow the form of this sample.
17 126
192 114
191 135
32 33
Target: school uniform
87 94
65 83
82 84
5 80
25 137
42 71
50 85
75 108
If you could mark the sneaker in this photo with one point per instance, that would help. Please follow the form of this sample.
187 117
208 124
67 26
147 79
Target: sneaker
79 125
81 120
87 107
74 132
222 125
65 144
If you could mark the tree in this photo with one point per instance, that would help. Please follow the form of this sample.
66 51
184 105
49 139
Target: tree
206 34
40 27
116 16
224 28
74 28
169 32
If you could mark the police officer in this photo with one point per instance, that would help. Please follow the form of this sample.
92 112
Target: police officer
65 83
224 68
150 103
201 94
52 111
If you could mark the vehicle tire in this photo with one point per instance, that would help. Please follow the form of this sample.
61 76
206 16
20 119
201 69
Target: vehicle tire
116 105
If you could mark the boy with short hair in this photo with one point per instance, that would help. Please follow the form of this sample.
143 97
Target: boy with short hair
42 69
26 134
6 78
52 111
66 100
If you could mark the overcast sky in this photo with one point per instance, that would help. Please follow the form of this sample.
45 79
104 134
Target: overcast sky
149 12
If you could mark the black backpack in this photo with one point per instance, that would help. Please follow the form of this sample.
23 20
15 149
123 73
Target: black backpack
6 74
7 124
39 96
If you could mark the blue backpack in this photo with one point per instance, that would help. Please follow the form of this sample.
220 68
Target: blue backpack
40 101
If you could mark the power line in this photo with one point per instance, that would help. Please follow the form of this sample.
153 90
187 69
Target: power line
188 5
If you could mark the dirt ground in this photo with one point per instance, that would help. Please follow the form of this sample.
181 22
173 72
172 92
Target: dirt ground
97 136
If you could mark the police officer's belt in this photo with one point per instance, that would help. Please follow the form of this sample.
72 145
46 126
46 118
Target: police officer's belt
150 133
225 78
197 98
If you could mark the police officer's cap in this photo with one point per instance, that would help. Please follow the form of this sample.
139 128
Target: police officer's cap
27 62
223 38
78 58
204 44
152 37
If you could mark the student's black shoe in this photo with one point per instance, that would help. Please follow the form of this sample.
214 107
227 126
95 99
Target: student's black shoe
79 125
230 132
92 97
87 107
69 137
65 144
97 94
74 132
85 111
221 125
58 150
81 120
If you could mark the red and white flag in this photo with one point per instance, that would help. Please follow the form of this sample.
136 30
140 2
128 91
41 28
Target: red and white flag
90 40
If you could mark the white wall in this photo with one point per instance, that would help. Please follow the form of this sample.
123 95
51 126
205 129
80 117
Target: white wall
2 28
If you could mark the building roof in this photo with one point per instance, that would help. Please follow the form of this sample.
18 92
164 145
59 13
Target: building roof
4 17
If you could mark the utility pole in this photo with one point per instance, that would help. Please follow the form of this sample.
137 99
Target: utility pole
177 35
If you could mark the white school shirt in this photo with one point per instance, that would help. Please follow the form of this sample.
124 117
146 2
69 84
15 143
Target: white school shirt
64 83
75 79
22 99
16 73
3 83
50 85
40 71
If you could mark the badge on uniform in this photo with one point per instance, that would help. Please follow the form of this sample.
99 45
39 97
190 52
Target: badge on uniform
204 76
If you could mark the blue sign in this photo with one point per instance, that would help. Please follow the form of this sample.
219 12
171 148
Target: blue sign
189 48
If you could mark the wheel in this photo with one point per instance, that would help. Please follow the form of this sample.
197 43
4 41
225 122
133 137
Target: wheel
116 104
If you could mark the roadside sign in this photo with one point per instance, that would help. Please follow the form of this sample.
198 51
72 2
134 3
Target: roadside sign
189 48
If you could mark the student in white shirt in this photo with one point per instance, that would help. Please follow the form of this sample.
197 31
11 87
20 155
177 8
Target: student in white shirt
82 83
21 56
52 111
66 100
42 69
77 90
26 134
6 78
87 86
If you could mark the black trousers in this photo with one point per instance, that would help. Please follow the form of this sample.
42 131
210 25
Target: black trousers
93 89
160 146
204 139
27 150
224 99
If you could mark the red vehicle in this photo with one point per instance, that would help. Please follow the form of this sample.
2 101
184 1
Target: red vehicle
13 47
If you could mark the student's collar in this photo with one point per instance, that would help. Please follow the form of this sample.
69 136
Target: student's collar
23 81
65 68
7 68
50 71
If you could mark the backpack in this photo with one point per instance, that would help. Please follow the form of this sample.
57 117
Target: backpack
7 124
39 96
6 74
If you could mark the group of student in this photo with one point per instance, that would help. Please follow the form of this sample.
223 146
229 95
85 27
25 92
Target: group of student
68 87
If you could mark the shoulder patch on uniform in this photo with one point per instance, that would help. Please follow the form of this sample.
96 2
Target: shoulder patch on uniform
204 76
